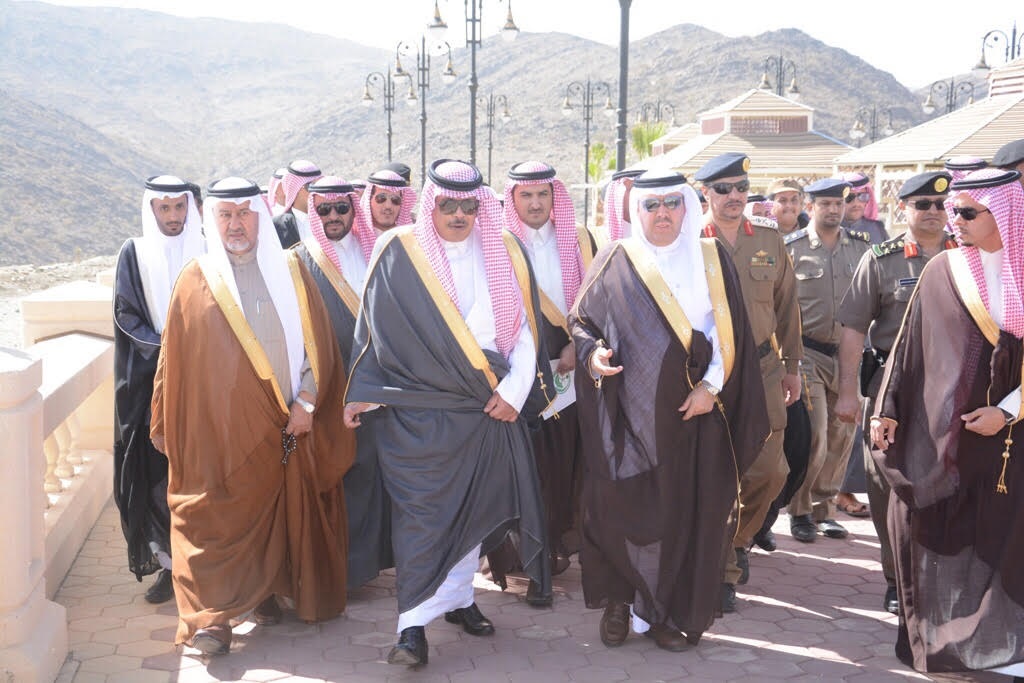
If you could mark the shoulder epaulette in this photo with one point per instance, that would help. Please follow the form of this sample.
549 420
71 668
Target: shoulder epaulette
892 246
763 222
795 235
859 235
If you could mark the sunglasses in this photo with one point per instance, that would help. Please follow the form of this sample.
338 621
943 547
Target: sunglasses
672 201
968 213
324 210
381 198
925 204
449 206
726 188
862 196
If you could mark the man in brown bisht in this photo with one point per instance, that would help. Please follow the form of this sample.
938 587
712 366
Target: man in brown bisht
669 430
246 407
539 211
447 351
945 421
769 292
336 260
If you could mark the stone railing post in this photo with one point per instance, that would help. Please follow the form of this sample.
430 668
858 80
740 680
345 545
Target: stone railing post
33 630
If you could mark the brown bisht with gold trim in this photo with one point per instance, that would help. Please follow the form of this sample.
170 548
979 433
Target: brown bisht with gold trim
956 537
244 525
457 477
657 491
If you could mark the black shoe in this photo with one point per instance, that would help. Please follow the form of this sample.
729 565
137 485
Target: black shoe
162 589
473 622
743 563
534 598
411 649
832 528
765 540
614 628
891 603
728 598
803 529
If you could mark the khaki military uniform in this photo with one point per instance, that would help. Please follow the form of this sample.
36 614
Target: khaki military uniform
874 305
769 292
823 276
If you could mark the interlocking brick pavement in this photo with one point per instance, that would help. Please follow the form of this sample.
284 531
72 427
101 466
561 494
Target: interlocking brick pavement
810 613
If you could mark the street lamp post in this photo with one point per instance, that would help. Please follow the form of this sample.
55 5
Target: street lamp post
951 90
1014 46
423 54
585 92
474 37
492 102
388 87
657 111
620 128
780 65
860 130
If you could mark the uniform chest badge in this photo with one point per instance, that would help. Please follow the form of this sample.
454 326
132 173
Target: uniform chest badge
762 258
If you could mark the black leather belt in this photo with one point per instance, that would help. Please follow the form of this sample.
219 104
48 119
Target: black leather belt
821 347
764 348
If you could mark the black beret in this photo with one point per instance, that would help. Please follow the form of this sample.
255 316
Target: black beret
931 183
1010 154
828 187
725 165
401 169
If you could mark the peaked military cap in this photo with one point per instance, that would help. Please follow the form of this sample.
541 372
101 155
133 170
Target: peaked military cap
725 165
931 183
784 185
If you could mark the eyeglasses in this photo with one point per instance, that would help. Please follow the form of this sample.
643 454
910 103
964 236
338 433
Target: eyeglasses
381 198
862 196
925 204
324 210
968 213
672 201
726 188
449 205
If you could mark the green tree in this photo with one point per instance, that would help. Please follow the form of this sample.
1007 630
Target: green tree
600 161
644 134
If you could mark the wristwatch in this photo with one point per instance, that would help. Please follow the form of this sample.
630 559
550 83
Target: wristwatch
1008 416
711 388
305 405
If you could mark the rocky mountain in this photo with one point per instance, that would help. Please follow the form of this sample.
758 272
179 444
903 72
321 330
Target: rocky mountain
122 94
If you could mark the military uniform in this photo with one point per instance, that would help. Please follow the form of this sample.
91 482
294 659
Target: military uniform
875 304
823 276
769 291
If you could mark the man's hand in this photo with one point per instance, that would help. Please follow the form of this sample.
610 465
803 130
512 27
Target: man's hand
985 421
500 410
883 432
159 443
566 359
299 421
847 406
351 413
599 363
791 387
699 401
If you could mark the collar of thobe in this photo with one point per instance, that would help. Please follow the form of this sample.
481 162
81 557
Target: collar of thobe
347 243
542 235
661 251
242 259
457 249
299 213
991 260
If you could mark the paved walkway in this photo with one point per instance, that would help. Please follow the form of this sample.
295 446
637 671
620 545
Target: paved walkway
810 613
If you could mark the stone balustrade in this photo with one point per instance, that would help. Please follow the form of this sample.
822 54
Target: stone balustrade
56 420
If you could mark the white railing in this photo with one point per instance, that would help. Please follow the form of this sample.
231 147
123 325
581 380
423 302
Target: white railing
56 429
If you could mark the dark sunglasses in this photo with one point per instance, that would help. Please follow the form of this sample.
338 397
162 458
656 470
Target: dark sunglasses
968 213
726 188
381 198
925 204
863 196
449 206
324 210
651 204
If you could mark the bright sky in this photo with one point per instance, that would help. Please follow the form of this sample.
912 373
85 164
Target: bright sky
918 41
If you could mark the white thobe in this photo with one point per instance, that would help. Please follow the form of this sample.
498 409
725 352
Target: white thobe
466 260
302 224
353 263
542 247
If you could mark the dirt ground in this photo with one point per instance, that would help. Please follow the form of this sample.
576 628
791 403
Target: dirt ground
19 281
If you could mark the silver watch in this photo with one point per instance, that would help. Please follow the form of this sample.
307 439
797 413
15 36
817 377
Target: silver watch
712 389
305 405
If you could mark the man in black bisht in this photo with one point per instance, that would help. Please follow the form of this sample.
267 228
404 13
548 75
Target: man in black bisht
447 343
670 425
336 259
146 269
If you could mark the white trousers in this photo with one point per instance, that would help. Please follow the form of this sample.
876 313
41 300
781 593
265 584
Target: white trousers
454 592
